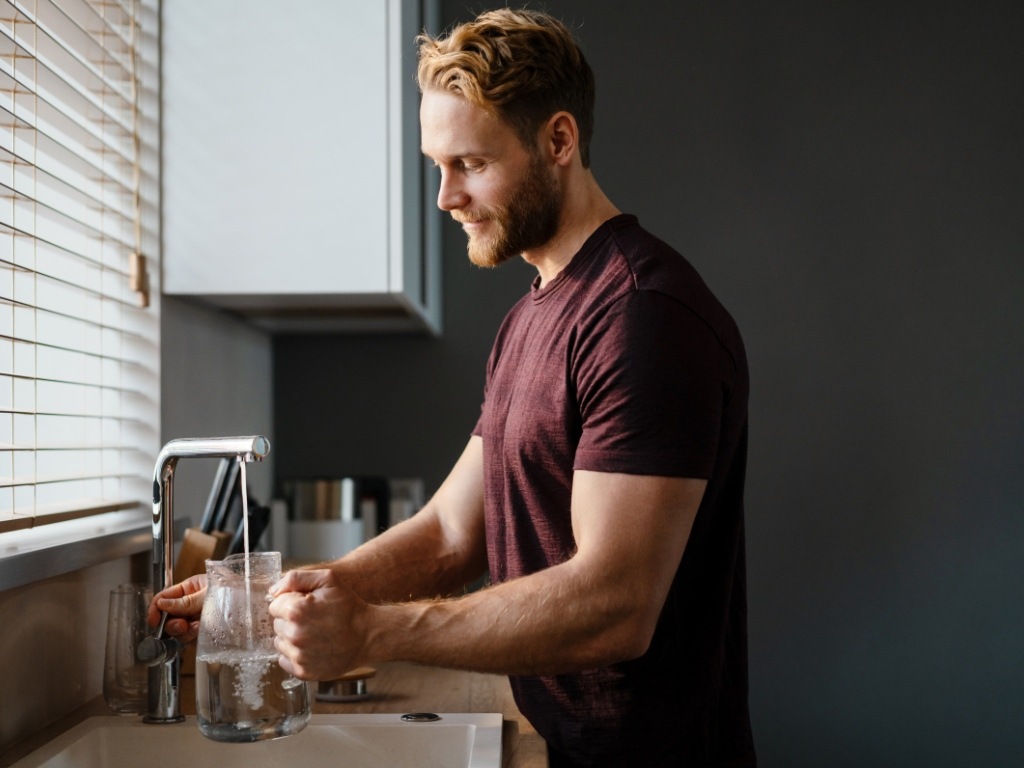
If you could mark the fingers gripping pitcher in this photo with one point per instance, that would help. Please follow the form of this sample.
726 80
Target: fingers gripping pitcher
242 693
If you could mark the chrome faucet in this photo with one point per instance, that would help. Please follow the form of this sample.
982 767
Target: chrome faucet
165 660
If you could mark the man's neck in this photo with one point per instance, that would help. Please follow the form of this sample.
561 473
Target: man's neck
584 212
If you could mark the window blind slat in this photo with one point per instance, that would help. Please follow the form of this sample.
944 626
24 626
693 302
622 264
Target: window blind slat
58 226
89 291
59 263
9 402
66 193
59 360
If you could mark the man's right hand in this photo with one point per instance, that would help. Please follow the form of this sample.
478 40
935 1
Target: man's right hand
184 604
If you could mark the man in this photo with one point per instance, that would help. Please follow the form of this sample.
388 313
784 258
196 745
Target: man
602 486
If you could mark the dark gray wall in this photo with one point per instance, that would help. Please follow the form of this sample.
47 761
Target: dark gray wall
849 178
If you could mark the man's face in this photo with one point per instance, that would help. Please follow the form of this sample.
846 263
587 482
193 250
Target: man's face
505 197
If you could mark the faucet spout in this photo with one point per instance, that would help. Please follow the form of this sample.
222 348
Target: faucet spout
165 677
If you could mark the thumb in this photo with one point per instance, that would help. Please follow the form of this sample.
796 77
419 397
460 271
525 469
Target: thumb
302 581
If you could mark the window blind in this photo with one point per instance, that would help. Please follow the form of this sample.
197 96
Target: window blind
79 362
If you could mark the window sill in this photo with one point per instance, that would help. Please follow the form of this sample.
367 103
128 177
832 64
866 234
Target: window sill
53 550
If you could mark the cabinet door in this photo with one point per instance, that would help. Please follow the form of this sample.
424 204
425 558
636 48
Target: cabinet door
283 154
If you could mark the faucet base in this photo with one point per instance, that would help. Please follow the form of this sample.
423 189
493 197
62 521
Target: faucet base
163 720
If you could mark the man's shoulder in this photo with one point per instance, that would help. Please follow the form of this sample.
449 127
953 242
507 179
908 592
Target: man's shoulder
655 267
650 259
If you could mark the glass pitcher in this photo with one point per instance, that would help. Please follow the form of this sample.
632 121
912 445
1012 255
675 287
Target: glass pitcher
242 693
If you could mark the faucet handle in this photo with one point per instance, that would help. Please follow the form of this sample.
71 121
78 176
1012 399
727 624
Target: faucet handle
154 650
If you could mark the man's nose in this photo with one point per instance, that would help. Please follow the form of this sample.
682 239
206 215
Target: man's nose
451 195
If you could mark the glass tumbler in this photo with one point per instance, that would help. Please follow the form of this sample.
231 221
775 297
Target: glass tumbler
124 677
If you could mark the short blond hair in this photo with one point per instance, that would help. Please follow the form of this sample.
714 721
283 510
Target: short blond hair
523 65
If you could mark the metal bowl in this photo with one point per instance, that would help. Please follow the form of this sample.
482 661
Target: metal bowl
349 687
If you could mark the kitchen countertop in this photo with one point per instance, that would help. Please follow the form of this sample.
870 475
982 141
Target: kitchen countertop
396 688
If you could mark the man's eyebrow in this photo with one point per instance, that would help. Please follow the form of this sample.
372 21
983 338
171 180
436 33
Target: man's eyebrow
450 157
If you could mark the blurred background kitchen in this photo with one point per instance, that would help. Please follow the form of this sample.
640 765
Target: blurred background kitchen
849 179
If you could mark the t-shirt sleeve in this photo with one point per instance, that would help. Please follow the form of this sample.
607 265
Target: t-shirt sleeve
652 380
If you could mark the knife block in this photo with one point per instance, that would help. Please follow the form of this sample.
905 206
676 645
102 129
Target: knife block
198 547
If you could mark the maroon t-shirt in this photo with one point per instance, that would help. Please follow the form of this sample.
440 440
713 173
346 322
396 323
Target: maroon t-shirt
626 362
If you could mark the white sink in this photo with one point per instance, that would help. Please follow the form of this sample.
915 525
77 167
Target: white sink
354 741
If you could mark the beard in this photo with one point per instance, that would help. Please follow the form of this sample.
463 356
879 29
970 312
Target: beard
528 220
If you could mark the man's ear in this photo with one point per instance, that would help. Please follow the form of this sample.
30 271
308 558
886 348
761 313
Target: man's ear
561 138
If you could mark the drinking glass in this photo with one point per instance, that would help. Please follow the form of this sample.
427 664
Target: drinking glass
124 676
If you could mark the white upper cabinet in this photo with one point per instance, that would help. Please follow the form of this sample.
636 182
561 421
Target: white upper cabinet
293 187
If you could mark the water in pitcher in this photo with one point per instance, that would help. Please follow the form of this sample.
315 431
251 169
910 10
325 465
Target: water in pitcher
244 696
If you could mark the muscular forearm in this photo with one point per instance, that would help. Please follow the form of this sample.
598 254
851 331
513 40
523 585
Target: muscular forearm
411 561
550 622
433 554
